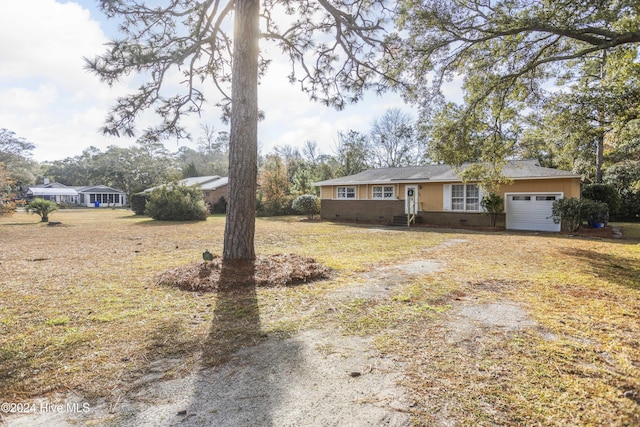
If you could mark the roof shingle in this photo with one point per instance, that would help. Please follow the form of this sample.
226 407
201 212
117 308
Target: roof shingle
521 169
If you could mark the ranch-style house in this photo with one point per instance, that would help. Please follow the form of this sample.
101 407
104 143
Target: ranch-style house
436 195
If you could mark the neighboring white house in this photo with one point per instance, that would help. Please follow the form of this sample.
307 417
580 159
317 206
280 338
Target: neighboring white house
57 194
102 195
90 196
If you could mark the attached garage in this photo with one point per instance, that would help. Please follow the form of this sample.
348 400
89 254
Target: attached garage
531 211
441 197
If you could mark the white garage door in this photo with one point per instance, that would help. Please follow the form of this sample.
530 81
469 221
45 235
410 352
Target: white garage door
531 211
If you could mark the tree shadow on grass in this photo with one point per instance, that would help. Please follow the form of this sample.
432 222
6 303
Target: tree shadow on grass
230 389
236 317
621 270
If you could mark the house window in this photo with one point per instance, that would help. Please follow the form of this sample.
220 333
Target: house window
104 198
457 197
465 197
382 192
346 192
472 202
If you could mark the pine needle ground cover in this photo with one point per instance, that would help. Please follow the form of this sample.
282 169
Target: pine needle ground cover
81 311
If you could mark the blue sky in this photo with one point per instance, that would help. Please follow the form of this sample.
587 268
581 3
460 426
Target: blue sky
50 100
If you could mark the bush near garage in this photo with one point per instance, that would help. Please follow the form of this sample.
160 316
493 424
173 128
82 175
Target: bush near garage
594 212
606 193
572 212
567 213
493 204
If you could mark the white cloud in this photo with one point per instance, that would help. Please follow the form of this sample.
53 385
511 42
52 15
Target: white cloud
48 96
46 39
52 101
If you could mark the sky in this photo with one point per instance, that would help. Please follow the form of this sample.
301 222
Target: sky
49 99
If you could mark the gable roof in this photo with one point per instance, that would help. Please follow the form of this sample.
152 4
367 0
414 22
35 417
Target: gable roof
214 185
210 182
516 170
51 191
103 189
198 180
57 189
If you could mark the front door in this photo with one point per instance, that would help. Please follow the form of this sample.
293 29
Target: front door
411 199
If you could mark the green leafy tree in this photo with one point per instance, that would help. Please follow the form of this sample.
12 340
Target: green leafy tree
506 51
41 207
493 205
605 193
622 169
576 127
307 204
568 213
334 49
78 170
275 187
7 207
303 180
139 202
352 153
482 136
131 169
594 212
15 154
625 177
174 202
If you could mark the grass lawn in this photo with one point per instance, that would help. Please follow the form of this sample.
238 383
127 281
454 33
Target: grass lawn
631 230
80 311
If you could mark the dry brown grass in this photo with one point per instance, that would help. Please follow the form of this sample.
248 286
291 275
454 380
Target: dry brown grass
80 311
580 366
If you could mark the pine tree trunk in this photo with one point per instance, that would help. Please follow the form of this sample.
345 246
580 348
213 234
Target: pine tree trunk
599 158
602 124
243 145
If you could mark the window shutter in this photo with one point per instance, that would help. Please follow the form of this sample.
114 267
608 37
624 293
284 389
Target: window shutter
480 196
446 197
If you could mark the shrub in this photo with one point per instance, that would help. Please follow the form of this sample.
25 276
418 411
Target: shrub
307 204
276 207
139 202
606 193
175 202
594 212
7 207
41 207
567 213
493 205
220 206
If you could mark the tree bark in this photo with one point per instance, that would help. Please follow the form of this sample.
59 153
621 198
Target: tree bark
243 145
599 157
601 124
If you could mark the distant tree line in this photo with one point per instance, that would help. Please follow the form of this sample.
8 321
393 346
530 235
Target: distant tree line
552 135
284 174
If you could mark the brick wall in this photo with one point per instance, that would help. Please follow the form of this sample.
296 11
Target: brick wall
461 219
212 196
383 211
361 210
